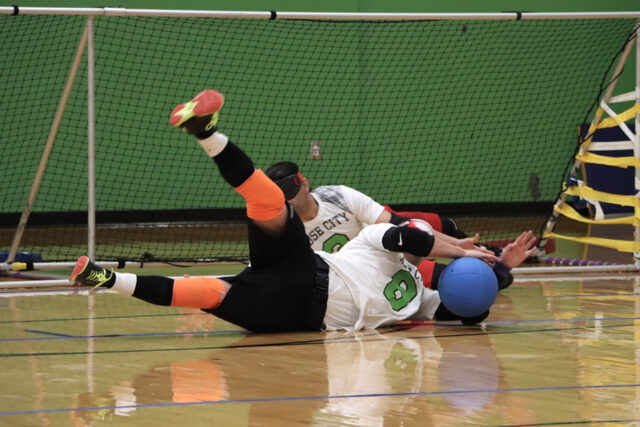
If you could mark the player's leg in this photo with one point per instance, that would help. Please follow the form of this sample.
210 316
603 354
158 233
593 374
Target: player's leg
265 201
275 229
193 292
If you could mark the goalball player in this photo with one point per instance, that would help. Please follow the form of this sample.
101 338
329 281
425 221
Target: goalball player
371 282
335 214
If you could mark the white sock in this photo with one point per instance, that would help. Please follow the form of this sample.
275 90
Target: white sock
214 144
125 283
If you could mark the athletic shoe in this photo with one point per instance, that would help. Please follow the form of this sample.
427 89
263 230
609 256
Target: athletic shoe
90 274
200 115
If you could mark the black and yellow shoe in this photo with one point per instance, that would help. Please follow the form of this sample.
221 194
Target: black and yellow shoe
90 274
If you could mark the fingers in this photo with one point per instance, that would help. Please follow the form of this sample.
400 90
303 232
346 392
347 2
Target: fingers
523 237
480 253
526 240
484 250
531 242
492 258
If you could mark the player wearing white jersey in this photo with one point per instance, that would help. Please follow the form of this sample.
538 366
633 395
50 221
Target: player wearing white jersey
342 211
394 288
335 214
288 286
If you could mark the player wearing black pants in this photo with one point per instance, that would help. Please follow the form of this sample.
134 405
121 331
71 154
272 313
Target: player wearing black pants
288 287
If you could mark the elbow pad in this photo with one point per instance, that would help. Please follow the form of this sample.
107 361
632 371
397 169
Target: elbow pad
408 239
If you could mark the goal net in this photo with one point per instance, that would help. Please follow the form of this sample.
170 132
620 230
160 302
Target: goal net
476 120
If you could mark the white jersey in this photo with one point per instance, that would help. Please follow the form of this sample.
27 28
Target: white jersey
370 286
342 212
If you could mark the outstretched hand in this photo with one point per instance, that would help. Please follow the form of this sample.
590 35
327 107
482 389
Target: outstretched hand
481 253
469 242
516 252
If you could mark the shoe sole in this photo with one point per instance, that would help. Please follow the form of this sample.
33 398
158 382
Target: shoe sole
206 102
81 264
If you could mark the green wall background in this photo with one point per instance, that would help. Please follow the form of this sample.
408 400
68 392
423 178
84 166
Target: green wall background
407 6
134 106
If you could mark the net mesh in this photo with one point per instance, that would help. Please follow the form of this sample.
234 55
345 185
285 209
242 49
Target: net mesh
472 119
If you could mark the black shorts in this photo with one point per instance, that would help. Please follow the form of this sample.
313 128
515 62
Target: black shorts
280 290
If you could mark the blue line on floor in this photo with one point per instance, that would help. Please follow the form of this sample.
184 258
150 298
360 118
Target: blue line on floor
158 334
348 396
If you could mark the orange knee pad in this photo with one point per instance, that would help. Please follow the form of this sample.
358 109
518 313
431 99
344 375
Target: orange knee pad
264 198
198 292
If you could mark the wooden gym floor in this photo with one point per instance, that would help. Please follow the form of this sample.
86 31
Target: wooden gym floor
554 351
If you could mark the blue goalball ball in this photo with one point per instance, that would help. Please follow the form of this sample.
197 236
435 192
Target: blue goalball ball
468 287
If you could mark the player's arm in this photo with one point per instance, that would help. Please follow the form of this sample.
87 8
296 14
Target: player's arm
368 211
520 249
439 223
391 218
364 208
422 244
466 243
512 256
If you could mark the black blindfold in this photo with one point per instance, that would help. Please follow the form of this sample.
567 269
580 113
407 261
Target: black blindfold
290 185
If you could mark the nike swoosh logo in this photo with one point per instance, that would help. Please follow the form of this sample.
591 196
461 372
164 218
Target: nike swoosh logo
399 239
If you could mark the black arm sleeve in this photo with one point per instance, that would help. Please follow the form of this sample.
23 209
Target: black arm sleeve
503 273
408 239
397 219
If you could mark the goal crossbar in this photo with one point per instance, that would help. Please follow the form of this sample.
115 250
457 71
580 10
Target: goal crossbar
116 11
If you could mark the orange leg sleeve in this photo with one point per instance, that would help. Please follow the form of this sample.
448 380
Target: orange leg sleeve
198 292
264 198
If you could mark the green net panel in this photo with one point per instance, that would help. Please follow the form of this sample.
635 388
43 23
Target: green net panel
476 120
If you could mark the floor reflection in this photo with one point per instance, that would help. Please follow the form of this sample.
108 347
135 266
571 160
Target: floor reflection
360 378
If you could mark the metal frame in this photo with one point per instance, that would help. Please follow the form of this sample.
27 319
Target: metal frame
87 42
506 16
48 147
634 143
